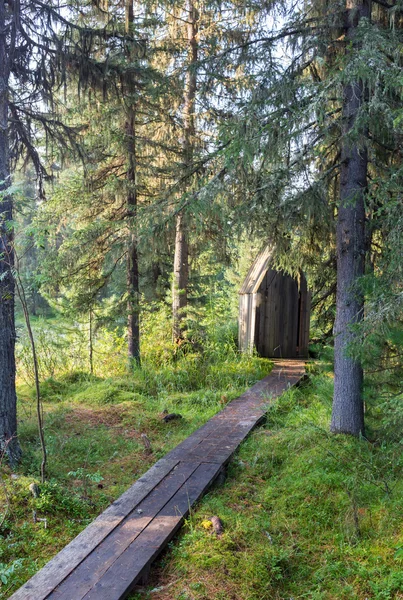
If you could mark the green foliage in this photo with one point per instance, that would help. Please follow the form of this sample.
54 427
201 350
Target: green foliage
56 499
81 474
93 423
6 571
306 514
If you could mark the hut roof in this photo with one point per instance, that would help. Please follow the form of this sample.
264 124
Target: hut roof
257 271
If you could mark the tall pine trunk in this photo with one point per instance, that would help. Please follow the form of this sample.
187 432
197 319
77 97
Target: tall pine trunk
133 288
180 280
181 258
348 408
132 272
8 400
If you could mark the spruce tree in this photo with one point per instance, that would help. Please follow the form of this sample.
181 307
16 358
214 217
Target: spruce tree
181 257
312 144
119 154
40 44
133 290
348 410
8 412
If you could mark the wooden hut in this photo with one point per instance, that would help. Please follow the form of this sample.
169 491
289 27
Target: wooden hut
274 311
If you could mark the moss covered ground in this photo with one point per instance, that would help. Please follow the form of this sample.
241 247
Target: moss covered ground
306 514
93 431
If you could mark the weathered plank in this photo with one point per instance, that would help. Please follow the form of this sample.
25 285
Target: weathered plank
84 577
257 271
304 322
42 584
118 581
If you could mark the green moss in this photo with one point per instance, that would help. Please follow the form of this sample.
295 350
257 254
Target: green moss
105 392
306 514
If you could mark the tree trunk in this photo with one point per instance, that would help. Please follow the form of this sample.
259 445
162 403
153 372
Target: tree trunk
132 278
133 289
348 409
181 276
91 342
181 258
8 399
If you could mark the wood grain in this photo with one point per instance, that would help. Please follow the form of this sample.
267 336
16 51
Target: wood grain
42 584
118 581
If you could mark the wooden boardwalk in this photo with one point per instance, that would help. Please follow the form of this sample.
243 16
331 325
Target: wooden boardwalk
108 558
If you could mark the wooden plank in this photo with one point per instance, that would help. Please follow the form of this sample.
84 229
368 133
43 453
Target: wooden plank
259 308
290 341
242 328
257 271
290 315
85 576
268 315
269 385
182 449
302 312
286 317
307 323
41 584
273 312
251 322
278 337
120 579
260 320
278 322
305 314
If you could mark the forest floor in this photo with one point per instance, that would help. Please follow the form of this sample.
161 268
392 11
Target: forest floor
93 428
305 514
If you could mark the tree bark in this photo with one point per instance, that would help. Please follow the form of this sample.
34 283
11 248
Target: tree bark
133 288
181 258
348 408
132 278
8 399
180 281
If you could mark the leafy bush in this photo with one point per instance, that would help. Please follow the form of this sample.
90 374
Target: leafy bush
55 498
7 571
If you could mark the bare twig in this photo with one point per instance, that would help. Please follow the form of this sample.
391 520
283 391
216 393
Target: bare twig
39 411
147 443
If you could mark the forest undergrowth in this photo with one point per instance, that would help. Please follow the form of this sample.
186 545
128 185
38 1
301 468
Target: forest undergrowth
306 514
95 424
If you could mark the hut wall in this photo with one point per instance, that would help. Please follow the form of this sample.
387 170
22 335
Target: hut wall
247 318
274 311
304 318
